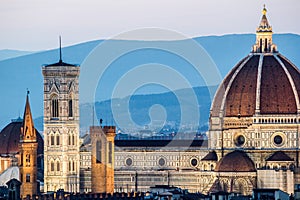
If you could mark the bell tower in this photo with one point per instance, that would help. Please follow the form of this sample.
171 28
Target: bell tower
28 154
61 126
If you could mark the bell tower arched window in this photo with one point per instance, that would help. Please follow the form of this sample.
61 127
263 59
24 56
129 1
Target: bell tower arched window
70 108
52 166
52 139
58 166
54 106
57 139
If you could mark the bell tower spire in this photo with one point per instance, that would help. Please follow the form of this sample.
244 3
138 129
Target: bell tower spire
28 154
28 130
264 33
60 54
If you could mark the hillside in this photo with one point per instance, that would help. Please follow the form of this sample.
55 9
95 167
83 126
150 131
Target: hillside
22 72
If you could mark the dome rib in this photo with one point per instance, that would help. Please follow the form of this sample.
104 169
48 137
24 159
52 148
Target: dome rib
258 83
216 104
296 95
241 97
277 96
232 79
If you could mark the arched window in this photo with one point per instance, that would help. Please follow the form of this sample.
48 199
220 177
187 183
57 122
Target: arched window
98 151
57 140
52 139
266 44
69 140
57 166
54 107
73 139
52 166
225 186
260 45
27 160
70 165
74 166
70 108
27 178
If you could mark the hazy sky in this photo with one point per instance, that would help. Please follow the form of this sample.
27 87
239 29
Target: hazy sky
36 24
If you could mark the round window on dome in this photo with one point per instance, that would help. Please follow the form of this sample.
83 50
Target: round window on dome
278 140
161 162
239 140
128 161
194 162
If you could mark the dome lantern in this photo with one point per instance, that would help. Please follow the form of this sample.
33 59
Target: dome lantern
264 43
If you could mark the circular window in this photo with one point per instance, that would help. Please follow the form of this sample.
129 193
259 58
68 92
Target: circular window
161 162
128 161
240 140
194 162
278 140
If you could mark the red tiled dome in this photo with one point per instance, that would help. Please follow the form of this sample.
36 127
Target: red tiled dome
236 161
10 136
270 88
264 82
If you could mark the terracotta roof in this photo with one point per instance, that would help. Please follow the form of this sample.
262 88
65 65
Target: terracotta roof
10 136
279 156
211 156
276 89
236 161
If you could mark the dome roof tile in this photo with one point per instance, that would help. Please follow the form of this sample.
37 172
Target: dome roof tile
10 136
236 161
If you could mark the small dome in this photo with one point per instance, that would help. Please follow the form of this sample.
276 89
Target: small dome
236 161
10 136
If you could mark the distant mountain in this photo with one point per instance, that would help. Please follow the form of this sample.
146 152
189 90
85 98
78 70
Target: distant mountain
22 72
8 53
138 107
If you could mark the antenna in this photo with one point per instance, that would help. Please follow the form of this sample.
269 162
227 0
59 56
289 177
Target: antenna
93 113
60 56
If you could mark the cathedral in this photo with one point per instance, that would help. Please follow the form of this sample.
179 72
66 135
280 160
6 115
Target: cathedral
253 137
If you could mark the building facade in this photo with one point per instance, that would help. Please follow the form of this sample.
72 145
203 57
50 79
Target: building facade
61 127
